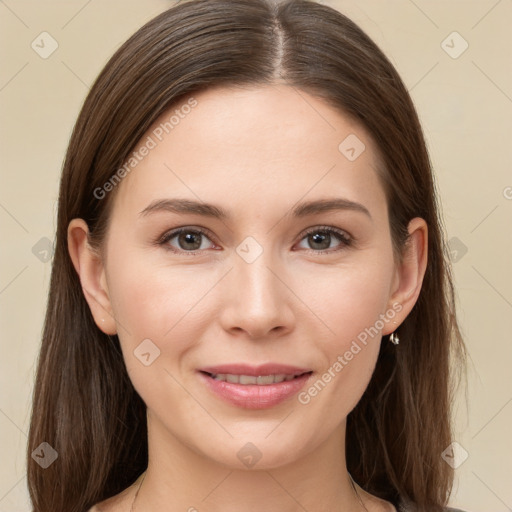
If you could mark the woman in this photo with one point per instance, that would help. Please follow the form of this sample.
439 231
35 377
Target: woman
251 306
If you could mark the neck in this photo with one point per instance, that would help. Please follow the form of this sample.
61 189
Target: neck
179 478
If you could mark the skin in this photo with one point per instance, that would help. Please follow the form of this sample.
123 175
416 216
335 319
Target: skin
256 152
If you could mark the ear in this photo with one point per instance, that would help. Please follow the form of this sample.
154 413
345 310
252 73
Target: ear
409 274
90 269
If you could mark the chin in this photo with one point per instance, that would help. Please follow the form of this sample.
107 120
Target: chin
258 451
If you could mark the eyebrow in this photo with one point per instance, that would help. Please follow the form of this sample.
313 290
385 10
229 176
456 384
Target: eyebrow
188 206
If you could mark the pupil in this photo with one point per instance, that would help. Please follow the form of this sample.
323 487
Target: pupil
188 238
321 239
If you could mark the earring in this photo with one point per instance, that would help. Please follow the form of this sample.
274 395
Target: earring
394 338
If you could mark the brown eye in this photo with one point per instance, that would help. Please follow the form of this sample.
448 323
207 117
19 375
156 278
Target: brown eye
320 240
189 240
185 240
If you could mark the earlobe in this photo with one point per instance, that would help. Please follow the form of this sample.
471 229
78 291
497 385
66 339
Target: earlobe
90 269
410 273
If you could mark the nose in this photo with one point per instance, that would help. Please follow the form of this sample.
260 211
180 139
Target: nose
256 301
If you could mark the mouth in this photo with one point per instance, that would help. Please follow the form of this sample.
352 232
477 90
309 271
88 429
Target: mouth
252 387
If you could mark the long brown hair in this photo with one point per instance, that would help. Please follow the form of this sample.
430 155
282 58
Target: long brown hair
84 404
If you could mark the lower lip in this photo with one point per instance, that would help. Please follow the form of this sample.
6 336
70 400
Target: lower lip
253 396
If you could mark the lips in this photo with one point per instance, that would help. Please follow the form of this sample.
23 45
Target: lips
254 387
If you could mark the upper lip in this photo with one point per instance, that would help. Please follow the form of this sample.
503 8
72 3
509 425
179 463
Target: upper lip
260 370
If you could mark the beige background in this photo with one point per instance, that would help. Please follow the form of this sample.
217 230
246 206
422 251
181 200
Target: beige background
465 105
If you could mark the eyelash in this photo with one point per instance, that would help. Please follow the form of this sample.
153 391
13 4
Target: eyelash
343 237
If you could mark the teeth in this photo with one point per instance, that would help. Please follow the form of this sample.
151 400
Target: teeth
266 379
246 379
262 380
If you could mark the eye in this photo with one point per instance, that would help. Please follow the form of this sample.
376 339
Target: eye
191 240
319 239
185 240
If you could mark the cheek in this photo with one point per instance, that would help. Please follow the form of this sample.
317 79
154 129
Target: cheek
352 303
347 300
156 302
159 304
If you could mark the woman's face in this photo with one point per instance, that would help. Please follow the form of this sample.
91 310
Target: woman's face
296 274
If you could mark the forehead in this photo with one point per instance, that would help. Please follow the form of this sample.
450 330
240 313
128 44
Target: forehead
267 144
